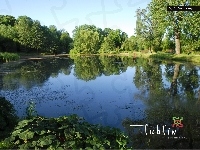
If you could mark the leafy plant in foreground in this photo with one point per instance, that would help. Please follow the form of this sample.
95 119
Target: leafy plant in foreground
64 133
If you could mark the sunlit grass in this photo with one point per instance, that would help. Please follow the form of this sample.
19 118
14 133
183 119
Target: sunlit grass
175 57
145 54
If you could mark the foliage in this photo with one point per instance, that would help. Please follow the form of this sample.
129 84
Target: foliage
8 37
167 44
147 28
86 42
179 28
7 20
182 25
8 118
23 26
6 57
26 35
130 44
65 42
87 39
113 40
64 133
30 110
156 29
37 36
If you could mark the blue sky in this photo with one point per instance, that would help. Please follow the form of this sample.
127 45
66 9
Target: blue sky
66 14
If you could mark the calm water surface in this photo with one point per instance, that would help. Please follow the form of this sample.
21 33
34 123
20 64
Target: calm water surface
112 91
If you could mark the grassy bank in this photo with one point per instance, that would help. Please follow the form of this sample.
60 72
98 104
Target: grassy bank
181 57
195 58
130 54
6 57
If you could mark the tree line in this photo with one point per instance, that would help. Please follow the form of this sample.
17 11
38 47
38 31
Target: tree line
156 30
26 35
162 29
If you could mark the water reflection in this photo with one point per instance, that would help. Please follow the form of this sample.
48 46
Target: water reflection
178 99
113 91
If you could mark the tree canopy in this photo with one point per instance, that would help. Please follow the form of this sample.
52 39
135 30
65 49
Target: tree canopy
25 34
156 30
155 22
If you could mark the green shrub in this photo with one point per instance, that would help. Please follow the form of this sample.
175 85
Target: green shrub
63 133
74 52
8 118
6 57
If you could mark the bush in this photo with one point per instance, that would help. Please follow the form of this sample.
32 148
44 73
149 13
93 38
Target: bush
6 57
63 133
8 118
74 52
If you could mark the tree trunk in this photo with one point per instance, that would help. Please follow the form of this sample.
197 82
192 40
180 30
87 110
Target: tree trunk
177 43
150 47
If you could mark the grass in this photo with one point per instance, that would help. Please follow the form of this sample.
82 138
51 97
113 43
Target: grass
194 58
181 57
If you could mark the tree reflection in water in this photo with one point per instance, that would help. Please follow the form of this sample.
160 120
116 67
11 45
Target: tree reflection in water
170 90
180 99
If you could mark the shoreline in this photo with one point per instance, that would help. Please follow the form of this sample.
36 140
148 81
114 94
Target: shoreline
192 58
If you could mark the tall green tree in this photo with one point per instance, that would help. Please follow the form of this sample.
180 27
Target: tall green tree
65 42
181 23
26 34
23 27
147 28
7 33
113 40
130 44
86 39
37 36
54 39
7 20
8 38
168 44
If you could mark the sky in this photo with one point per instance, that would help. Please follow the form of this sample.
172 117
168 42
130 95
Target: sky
66 14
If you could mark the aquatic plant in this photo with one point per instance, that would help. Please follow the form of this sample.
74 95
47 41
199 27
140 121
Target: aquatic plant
30 110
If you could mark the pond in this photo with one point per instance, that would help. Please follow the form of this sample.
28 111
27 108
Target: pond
111 91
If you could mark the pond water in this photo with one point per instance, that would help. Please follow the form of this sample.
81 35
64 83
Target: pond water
111 91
